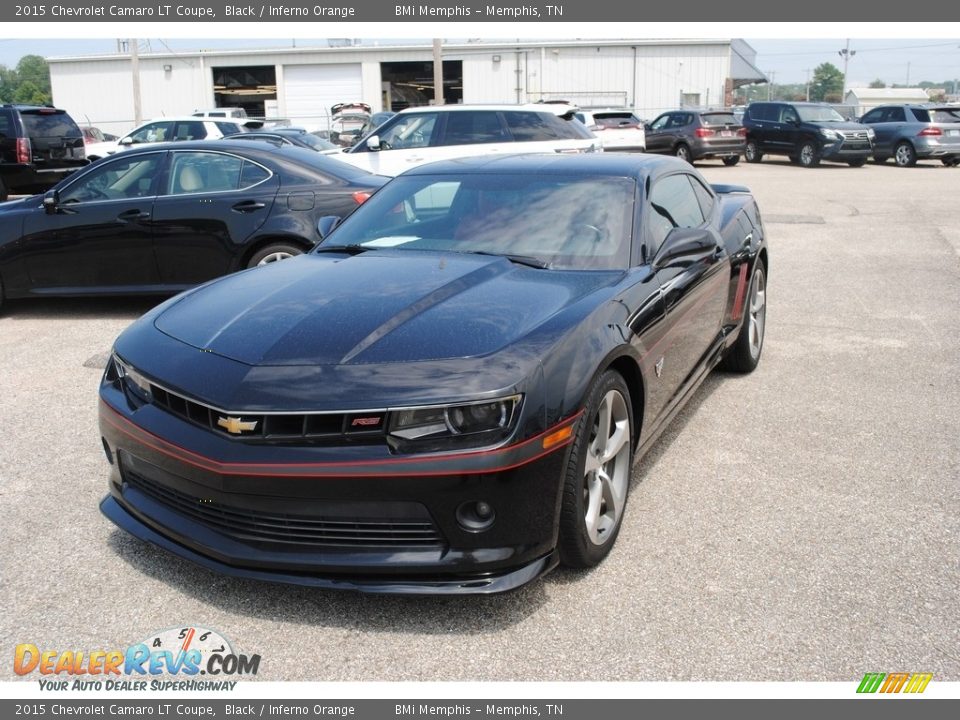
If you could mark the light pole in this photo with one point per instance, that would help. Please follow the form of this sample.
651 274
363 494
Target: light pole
846 54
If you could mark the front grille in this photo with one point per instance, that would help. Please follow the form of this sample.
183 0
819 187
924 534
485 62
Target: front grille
854 135
299 428
416 530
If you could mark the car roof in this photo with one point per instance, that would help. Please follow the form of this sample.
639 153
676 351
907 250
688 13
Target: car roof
555 108
264 148
586 164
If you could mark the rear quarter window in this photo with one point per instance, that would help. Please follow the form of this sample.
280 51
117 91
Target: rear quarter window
536 126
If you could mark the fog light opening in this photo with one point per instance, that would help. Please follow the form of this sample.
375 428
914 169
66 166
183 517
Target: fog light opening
106 450
476 516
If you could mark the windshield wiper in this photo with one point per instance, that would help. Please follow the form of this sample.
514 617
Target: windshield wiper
345 249
527 260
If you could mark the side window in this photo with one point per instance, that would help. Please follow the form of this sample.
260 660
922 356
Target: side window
6 125
229 128
673 204
190 130
660 123
528 126
409 131
251 174
704 196
789 114
874 116
154 132
768 112
200 172
117 179
897 115
467 128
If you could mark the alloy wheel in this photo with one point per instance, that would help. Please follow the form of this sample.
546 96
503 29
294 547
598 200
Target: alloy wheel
758 312
607 469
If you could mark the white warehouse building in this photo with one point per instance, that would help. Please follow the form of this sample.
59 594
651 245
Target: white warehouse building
302 83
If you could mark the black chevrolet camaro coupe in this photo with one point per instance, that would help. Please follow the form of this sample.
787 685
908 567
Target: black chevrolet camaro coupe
167 217
448 394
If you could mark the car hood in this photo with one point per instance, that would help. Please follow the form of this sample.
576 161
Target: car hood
837 125
376 307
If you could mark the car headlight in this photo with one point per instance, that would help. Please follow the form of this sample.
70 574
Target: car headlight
128 379
871 134
443 427
830 134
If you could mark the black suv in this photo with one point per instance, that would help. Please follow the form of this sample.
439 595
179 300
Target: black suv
805 132
39 146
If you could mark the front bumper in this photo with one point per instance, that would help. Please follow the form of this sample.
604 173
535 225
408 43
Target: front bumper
387 525
844 150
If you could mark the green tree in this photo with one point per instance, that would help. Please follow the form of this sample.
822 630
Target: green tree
827 81
8 84
28 93
34 69
878 83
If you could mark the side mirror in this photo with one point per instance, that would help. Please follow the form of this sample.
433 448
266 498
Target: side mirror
51 202
646 126
126 141
326 224
686 244
373 143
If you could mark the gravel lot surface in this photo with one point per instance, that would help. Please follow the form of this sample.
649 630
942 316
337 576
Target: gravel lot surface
800 523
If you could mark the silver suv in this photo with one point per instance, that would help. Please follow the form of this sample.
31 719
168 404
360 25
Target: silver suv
908 133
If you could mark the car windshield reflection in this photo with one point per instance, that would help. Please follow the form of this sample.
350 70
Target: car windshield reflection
562 222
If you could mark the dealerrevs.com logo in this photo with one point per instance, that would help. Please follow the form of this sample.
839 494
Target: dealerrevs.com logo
173 659
909 683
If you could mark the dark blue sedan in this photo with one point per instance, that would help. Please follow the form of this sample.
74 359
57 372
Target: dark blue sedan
449 393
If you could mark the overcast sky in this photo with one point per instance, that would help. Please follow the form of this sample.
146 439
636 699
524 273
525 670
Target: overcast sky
891 60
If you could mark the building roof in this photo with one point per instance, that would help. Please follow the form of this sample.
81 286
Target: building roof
889 94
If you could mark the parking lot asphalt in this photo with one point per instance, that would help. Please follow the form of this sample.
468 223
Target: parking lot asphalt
799 523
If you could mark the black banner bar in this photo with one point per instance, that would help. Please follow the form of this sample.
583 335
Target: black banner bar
487 11
323 709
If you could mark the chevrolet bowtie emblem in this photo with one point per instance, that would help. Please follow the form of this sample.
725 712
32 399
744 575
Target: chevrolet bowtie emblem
235 425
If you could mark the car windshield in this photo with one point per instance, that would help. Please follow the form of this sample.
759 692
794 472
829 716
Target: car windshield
616 120
570 222
816 113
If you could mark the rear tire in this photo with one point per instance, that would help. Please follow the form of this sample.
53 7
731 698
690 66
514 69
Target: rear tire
744 356
905 155
682 151
751 151
950 162
880 160
274 252
809 154
597 477
731 161
3 192
857 163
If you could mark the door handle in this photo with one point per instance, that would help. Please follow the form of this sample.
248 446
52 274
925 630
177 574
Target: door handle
129 215
245 206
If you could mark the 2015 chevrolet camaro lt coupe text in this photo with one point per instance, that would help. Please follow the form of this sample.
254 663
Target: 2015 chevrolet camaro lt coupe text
447 395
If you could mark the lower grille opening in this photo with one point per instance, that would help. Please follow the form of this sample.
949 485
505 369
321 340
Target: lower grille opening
248 526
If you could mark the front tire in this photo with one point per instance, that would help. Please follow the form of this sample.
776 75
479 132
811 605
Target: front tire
809 154
905 155
597 477
950 162
744 356
751 151
273 253
857 163
731 161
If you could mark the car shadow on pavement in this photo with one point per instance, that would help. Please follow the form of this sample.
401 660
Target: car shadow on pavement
568 576
80 308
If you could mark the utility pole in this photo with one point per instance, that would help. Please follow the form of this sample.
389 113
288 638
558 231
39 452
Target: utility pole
437 71
846 54
808 71
135 70
908 74
773 75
